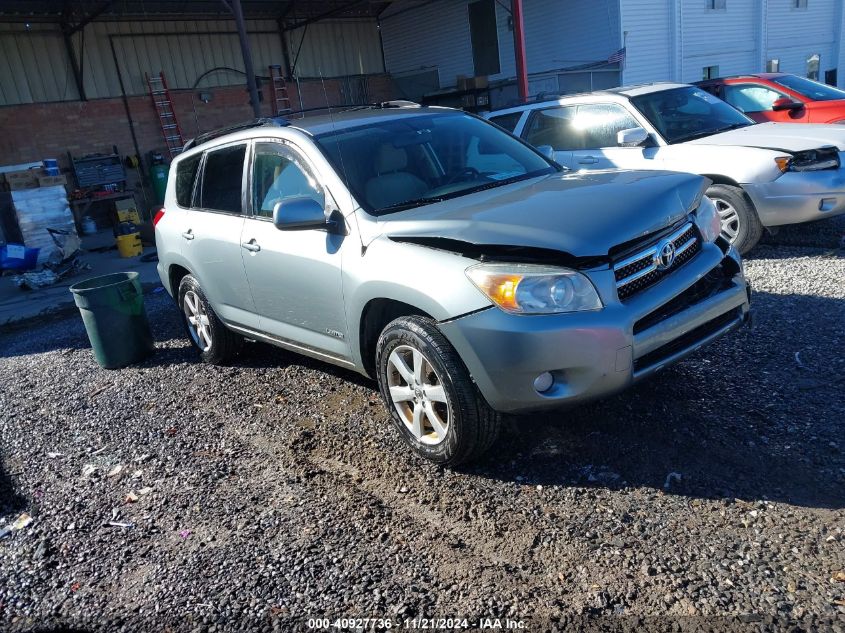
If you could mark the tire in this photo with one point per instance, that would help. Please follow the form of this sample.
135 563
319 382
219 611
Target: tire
446 392
215 342
740 224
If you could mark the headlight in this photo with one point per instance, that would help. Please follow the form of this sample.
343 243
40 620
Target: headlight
810 160
707 219
534 289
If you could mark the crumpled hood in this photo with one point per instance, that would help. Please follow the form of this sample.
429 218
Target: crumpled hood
792 137
582 214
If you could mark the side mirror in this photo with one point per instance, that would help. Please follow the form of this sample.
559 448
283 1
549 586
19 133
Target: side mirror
633 137
785 103
299 214
547 150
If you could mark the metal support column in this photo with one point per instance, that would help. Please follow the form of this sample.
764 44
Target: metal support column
74 62
247 55
519 51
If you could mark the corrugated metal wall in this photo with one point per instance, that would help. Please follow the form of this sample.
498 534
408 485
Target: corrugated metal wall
333 49
663 45
557 35
183 50
34 66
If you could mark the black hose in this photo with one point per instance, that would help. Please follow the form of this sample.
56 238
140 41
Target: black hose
226 68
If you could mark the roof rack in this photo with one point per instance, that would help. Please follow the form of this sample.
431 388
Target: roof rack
246 125
283 121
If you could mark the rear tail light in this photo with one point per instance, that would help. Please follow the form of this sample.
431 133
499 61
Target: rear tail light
158 216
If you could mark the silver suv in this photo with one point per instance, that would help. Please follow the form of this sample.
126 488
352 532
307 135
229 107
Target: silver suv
464 271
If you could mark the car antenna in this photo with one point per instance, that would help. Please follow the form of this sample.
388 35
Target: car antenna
342 164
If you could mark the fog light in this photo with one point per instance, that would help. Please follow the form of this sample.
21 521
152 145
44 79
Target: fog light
544 382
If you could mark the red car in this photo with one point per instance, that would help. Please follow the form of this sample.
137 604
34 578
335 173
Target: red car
780 97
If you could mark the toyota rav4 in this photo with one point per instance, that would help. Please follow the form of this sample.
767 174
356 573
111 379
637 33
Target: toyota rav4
464 271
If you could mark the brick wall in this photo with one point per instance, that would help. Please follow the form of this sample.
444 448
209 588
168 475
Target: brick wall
49 130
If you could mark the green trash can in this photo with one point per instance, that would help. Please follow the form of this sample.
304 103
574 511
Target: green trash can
112 308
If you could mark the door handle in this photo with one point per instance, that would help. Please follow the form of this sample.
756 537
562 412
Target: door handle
189 234
588 160
251 246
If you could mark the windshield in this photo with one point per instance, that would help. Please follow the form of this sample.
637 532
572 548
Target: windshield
809 88
682 114
414 160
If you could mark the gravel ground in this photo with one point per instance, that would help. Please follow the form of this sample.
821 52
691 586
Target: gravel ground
178 495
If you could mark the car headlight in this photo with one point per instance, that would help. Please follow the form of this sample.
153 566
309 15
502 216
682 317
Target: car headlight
535 289
707 219
810 160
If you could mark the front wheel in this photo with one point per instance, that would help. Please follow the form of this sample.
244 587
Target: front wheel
432 400
740 224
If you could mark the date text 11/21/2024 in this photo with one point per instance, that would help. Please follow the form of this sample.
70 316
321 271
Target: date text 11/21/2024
423 624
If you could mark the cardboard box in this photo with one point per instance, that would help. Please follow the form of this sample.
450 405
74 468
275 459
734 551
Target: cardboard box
51 181
461 82
128 215
127 211
24 179
477 83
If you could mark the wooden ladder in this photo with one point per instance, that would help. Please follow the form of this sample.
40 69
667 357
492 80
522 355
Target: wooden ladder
163 105
281 102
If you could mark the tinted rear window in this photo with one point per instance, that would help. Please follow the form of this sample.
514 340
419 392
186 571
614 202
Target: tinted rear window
507 121
222 180
186 173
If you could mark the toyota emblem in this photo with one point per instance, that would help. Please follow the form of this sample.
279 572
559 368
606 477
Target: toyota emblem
665 256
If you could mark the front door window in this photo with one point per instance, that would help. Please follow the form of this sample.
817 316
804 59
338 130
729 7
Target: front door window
280 174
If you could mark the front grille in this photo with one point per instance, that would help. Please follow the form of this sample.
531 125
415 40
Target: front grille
714 282
688 340
638 272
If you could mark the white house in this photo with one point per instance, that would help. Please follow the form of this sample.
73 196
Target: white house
576 45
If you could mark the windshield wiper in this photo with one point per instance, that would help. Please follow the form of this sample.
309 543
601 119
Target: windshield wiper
418 202
410 204
499 183
700 134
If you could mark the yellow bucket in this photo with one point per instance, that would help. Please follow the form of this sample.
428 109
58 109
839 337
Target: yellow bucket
129 245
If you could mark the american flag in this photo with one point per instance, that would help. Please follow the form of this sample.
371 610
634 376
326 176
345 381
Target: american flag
618 56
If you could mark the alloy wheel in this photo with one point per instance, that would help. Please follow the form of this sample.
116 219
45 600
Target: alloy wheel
418 395
198 323
729 219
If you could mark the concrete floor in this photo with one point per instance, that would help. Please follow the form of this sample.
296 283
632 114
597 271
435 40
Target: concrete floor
17 304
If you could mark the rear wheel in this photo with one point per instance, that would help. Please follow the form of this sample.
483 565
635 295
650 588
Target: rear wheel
216 343
432 401
740 224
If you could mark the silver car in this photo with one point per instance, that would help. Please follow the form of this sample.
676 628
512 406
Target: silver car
764 176
460 268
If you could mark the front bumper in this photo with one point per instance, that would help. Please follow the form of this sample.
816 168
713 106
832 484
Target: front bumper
594 354
799 196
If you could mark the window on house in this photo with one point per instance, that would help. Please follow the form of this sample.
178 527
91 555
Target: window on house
830 77
773 66
484 35
813 62
799 4
716 5
222 179
710 72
